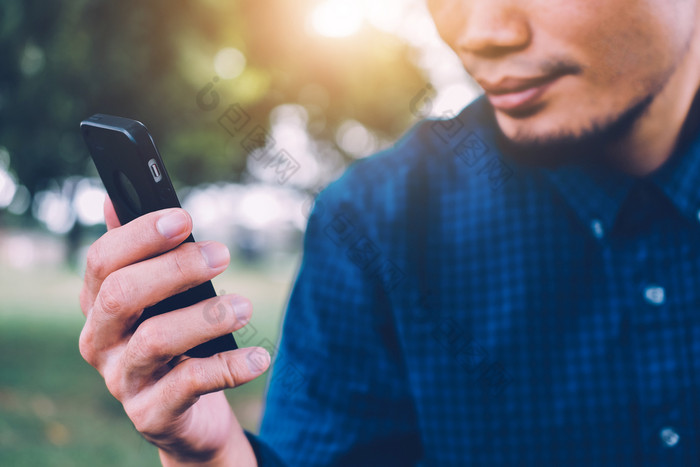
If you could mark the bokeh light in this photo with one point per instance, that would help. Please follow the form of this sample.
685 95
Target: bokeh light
355 139
7 188
229 63
259 208
53 208
88 202
337 18
21 201
32 60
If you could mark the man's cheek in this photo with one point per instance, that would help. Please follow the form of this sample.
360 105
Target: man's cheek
449 19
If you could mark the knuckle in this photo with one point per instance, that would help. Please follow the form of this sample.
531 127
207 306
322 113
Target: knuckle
180 389
113 381
141 418
173 385
231 370
148 342
138 420
85 346
111 296
179 264
95 263
85 299
182 263
197 378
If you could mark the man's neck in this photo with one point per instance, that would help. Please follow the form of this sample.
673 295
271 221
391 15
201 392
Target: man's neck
655 136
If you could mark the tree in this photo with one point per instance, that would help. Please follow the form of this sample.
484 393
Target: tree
65 60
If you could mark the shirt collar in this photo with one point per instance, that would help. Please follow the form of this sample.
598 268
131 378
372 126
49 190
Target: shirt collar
679 177
597 195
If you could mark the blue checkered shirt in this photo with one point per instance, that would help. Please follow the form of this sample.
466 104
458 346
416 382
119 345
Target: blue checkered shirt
457 307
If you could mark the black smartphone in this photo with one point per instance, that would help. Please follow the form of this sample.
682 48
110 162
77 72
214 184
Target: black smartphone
136 181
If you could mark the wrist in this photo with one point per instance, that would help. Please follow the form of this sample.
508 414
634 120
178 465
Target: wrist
237 452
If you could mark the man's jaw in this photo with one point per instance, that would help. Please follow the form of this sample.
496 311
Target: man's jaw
588 144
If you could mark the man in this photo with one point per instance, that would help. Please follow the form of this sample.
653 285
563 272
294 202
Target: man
517 285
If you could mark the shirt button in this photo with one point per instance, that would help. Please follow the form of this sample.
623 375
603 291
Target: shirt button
669 437
597 228
655 295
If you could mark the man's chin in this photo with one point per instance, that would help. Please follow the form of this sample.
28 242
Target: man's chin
548 150
531 142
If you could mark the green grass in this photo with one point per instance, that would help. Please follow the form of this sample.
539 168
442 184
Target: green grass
54 408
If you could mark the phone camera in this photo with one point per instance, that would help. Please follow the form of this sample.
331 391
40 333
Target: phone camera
155 170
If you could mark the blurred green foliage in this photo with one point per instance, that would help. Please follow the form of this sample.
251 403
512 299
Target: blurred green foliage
61 61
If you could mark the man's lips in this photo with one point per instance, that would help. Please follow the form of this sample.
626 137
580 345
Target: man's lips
515 94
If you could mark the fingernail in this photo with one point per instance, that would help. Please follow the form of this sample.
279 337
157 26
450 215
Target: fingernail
171 225
242 309
258 360
215 254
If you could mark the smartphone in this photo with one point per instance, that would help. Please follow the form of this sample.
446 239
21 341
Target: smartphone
136 181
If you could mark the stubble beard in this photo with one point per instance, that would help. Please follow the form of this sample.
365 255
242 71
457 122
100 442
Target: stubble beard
589 145
593 143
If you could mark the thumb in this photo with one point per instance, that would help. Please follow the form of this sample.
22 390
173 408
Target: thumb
194 377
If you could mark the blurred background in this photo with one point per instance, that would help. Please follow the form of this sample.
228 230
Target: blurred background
219 84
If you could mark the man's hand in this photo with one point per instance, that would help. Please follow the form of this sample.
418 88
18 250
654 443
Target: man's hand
175 402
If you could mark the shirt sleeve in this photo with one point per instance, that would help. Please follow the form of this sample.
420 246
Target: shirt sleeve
338 392
264 454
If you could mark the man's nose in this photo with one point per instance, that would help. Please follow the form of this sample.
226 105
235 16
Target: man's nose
493 28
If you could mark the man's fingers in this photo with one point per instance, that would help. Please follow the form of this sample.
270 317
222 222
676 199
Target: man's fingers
161 338
195 377
142 238
111 218
126 292
140 360
159 407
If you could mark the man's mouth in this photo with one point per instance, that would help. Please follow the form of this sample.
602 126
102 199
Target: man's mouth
516 95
